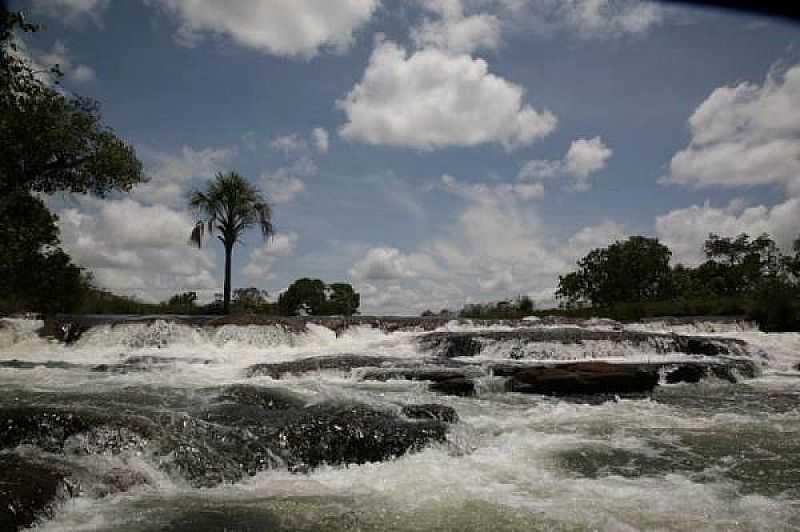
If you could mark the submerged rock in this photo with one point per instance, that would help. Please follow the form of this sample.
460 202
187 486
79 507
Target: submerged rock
345 434
459 386
686 373
431 411
585 378
29 491
315 364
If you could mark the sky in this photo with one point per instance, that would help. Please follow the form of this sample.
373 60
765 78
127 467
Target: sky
430 152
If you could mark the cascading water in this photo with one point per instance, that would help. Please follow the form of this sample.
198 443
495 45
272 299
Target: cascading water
171 425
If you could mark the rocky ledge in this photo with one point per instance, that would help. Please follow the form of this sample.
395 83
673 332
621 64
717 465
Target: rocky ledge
465 344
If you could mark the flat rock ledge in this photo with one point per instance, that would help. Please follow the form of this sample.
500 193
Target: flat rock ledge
574 378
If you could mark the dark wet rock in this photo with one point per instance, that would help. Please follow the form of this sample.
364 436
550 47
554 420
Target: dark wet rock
431 411
422 373
452 344
146 363
315 364
261 396
51 428
24 364
686 373
585 378
29 491
347 434
460 386
243 430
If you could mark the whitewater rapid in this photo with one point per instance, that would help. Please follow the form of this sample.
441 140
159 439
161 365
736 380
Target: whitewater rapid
706 456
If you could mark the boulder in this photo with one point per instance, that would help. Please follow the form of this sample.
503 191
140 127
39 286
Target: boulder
687 373
431 411
315 364
585 378
460 386
29 491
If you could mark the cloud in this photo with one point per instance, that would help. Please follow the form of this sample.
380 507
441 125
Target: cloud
744 135
498 247
262 259
296 28
170 174
583 158
685 230
492 192
72 11
288 144
434 99
283 184
321 139
135 249
588 19
387 263
455 31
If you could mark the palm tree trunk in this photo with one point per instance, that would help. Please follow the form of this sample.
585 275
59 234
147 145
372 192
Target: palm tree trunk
227 287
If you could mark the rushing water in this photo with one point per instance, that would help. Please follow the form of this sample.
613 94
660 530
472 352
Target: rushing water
706 456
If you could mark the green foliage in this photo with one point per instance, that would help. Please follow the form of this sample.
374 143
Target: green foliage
502 310
35 273
341 299
229 205
313 298
776 306
251 301
52 141
633 270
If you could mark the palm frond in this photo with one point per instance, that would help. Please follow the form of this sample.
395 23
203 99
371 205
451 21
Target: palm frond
197 234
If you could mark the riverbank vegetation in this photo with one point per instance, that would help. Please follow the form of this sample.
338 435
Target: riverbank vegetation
633 279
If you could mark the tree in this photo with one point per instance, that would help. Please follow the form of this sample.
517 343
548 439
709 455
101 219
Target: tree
250 299
304 296
633 270
342 299
738 265
51 140
229 205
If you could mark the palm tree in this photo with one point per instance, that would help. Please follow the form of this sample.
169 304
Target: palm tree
229 205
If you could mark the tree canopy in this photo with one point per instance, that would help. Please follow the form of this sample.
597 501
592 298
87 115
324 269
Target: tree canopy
50 141
636 269
314 298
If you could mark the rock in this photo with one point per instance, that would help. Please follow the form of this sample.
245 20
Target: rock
687 373
424 373
319 363
29 491
332 434
453 344
585 378
50 428
460 386
262 397
431 411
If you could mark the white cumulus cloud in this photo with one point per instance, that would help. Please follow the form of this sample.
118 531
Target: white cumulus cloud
299 28
744 135
685 230
434 99
583 158
136 249
262 259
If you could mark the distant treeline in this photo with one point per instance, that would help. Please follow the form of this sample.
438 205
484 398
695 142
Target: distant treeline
633 279
310 297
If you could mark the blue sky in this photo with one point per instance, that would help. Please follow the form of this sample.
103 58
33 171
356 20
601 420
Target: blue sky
431 152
